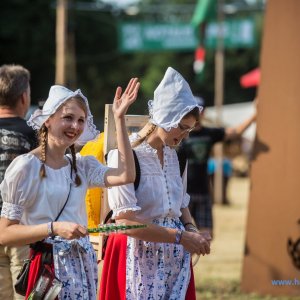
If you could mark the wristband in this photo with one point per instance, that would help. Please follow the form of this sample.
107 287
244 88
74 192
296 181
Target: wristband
50 228
178 236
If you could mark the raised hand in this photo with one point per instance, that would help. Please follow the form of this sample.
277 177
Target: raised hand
123 101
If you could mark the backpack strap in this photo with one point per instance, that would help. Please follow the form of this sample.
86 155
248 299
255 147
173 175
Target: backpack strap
182 161
182 164
108 218
137 171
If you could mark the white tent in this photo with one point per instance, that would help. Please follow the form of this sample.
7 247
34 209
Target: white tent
232 115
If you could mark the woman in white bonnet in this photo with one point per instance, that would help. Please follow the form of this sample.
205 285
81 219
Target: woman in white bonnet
155 263
46 183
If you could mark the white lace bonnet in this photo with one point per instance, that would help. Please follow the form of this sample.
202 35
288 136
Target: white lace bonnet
57 96
173 99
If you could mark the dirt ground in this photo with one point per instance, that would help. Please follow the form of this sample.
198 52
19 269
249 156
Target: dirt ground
217 275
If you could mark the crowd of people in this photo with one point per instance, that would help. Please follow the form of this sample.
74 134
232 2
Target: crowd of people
44 181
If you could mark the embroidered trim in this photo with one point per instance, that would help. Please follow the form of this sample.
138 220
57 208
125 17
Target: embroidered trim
12 211
117 211
98 175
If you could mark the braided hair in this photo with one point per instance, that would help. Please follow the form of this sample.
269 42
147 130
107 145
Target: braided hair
74 165
141 139
43 135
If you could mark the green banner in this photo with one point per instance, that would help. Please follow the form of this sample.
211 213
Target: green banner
237 33
156 37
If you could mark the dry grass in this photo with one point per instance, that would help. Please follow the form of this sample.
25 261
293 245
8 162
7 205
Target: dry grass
218 275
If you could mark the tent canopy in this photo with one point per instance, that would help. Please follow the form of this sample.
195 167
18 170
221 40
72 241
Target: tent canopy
233 115
250 79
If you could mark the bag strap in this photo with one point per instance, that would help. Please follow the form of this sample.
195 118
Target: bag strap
36 244
68 193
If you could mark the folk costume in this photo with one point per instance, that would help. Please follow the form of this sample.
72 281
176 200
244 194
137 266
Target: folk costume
135 269
32 200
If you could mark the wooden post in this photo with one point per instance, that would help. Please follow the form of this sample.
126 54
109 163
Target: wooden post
219 95
61 36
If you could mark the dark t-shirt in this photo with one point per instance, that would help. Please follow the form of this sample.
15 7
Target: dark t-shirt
16 138
196 148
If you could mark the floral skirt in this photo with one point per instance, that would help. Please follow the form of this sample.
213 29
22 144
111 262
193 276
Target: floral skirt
148 271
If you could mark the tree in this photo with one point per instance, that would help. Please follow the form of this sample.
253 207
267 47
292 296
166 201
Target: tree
27 36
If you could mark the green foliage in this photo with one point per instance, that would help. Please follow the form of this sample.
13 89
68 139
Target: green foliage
27 36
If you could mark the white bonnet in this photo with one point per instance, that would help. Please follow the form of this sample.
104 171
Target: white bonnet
57 96
173 99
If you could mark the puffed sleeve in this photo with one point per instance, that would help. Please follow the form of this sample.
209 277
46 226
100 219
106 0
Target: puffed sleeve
120 198
186 196
20 186
93 170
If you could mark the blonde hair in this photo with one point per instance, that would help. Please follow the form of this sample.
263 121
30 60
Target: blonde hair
141 139
43 136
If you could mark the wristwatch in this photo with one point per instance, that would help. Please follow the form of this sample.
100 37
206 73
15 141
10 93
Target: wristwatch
178 236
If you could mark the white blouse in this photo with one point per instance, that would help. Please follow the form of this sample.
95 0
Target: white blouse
161 191
32 200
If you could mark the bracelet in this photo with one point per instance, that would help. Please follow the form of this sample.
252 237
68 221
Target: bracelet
189 223
178 236
193 229
50 228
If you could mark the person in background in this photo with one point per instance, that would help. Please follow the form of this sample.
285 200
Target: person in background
196 149
227 171
16 138
155 262
44 191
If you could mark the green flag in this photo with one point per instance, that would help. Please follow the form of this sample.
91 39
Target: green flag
205 10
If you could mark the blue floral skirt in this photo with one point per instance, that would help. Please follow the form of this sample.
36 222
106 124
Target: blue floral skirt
75 265
157 270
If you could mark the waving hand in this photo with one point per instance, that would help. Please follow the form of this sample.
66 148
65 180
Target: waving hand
123 101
